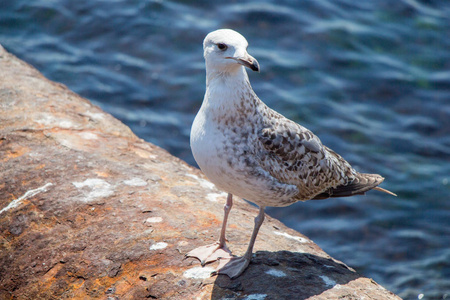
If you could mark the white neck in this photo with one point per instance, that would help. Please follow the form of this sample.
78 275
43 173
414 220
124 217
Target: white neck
233 74
226 89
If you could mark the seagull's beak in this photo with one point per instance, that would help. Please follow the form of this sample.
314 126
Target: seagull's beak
247 61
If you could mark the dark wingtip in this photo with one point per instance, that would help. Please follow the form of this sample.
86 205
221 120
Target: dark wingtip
362 184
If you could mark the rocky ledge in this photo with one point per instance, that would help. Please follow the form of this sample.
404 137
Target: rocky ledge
90 211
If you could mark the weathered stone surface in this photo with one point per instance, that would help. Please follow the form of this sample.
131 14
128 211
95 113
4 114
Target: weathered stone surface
90 211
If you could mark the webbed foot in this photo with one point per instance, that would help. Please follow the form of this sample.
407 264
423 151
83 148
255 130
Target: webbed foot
233 266
210 253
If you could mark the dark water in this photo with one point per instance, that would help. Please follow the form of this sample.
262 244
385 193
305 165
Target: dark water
370 78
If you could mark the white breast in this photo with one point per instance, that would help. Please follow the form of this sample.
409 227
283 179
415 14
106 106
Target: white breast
206 143
223 143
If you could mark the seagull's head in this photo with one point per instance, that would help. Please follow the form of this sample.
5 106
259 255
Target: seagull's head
225 50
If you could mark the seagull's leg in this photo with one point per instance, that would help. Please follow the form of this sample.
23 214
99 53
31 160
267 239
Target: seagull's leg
226 212
213 252
235 266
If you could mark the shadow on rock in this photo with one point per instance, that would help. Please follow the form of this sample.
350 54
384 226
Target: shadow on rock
284 275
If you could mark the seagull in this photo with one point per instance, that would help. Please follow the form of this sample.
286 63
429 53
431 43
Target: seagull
251 151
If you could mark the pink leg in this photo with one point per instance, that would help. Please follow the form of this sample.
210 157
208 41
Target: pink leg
213 252
235 266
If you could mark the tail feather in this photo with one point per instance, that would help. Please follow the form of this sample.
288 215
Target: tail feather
359 186
385 191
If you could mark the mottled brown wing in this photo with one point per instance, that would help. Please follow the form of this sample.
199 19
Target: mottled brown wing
294 155
291 143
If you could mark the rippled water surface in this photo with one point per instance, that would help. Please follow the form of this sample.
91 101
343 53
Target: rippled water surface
370 78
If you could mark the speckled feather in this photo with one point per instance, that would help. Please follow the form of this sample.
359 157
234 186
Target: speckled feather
249 150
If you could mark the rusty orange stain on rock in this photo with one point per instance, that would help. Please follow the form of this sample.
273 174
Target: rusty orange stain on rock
212 217
49 277
121 285
15 153
12 197
233 226
131 278
40 166
102 174
207 219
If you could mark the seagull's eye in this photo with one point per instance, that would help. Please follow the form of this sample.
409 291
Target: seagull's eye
222 46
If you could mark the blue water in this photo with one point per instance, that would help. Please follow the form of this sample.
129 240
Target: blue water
370 78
